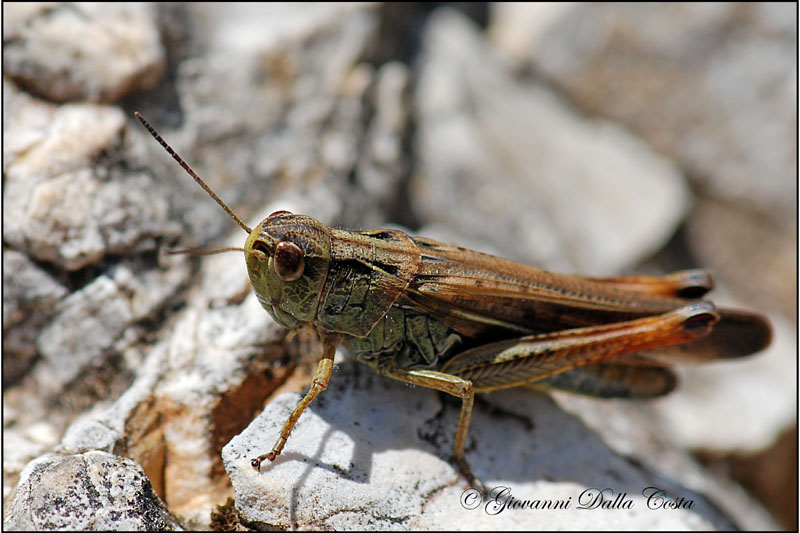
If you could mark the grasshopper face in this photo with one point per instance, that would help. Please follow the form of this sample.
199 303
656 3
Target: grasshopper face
287 259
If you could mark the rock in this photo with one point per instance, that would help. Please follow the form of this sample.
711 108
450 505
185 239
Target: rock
508 162
60 208
81 225
92 52
285 116
27 305
384 160
371 453
754 257
718 400
93 491
220 364
713 86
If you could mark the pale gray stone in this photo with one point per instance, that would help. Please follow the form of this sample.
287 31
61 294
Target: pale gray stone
92 491
56 206
713 85
29 295
349 464
90 321
87 435
509 162
383 160
96 52
754 256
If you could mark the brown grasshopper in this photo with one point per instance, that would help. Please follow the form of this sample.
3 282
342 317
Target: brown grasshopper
461 321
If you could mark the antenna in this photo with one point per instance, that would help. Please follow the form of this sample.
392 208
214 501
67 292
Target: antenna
191 172
196 252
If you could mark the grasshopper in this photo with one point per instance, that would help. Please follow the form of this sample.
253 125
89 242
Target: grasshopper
461 322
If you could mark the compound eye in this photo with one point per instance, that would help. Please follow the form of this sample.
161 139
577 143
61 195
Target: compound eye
289 261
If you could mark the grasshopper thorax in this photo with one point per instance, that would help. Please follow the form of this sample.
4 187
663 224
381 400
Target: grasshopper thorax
287 259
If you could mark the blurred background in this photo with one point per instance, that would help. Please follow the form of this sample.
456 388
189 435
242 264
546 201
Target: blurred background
597 139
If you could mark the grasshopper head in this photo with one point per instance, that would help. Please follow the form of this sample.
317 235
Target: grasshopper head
287 260
287 255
